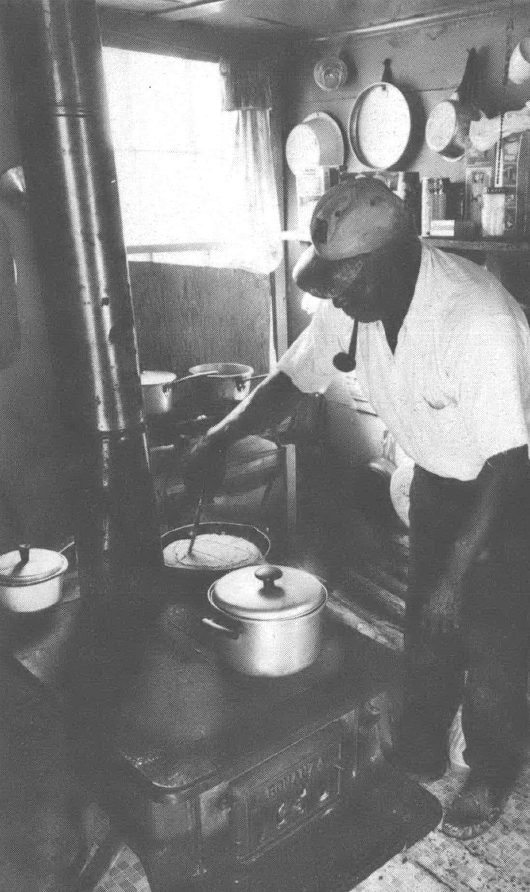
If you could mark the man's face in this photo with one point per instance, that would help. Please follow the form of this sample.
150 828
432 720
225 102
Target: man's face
362 299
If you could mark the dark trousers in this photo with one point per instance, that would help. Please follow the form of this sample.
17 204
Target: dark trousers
485 666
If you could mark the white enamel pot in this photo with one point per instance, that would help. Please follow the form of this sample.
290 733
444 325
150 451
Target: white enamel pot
31 579
268 619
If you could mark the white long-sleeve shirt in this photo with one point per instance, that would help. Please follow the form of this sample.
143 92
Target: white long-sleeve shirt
457 389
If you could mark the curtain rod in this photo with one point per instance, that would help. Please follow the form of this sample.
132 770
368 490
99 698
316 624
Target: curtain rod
420 21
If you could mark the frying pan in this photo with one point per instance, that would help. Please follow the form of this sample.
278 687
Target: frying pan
380 123
194 574
448 124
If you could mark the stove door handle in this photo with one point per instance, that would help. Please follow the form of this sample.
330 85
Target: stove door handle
229 631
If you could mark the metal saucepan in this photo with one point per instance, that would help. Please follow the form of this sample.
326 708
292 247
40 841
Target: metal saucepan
380 123
268 619
448 124
220 385
157 389
214 386
219 547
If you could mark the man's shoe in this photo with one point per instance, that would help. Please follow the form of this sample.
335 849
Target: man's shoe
478 805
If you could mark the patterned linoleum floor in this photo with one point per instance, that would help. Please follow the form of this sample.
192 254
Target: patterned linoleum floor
498 861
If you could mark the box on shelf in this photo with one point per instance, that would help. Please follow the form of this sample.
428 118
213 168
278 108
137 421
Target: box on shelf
459 229
512 166
478 178
442 201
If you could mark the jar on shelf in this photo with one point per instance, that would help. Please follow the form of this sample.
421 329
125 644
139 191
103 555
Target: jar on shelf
439 201
493 210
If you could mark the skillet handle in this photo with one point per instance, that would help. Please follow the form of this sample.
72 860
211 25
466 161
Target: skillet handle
230 632
467 90
387 77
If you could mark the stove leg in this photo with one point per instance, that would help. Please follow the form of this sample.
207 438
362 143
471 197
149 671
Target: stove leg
168 870
95 867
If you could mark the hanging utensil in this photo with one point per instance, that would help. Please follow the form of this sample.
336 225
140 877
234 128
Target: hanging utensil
447 129
197 519
380 123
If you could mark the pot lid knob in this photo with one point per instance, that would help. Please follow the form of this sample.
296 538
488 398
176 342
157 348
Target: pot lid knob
23 551
268 576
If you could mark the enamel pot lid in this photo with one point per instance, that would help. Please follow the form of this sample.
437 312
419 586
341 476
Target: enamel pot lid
268 593
29 566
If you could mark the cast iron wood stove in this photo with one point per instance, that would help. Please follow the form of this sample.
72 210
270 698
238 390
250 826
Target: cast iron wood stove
221 781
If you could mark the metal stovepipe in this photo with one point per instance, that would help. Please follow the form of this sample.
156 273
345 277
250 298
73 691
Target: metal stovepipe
68 160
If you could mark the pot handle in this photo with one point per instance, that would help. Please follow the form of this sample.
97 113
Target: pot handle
193 378
229 631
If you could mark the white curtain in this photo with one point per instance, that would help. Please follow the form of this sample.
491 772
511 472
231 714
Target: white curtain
251 225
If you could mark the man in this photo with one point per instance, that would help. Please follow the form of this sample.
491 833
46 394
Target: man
444 357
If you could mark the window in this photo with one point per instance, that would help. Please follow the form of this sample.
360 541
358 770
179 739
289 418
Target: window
168 132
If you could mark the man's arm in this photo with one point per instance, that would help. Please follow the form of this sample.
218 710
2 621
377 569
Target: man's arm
272 401
498 478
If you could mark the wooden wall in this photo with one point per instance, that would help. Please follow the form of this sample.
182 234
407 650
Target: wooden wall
189 315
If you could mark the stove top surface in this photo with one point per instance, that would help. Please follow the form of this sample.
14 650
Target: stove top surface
180 712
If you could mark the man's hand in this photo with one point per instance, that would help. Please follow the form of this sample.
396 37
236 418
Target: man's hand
442 614
204 464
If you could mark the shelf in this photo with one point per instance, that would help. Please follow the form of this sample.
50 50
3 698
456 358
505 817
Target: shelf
487 246
484 245
293 236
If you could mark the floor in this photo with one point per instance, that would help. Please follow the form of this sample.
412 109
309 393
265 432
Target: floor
498 861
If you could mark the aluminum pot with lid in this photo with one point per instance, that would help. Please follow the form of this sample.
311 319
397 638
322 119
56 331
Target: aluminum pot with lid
31 579
268 619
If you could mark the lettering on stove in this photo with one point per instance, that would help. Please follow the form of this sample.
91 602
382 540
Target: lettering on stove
293 778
